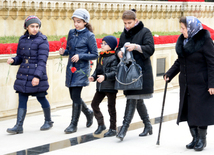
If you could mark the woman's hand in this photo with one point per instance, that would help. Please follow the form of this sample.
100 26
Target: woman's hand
61 51
35 81
75 58
120 54
10 61
130 47
91 79
166 78
100 78
211 91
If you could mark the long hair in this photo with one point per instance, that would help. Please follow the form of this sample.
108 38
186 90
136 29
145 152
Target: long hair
89 27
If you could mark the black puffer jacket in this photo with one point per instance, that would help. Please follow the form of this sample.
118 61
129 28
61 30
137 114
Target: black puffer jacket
108 69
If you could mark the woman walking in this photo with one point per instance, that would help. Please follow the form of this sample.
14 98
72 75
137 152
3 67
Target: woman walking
195 64
139 40
81 48
31 79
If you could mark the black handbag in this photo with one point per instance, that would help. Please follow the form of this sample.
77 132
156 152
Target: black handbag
129 74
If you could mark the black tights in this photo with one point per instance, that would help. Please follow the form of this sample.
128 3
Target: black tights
75 94
201 127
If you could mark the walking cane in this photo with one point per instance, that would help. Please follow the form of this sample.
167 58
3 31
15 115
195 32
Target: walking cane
161 118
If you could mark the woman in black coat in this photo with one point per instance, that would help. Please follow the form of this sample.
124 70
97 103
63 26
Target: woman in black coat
31 79
141 43
195 64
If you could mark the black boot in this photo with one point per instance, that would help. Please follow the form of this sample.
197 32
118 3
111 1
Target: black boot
111 132
100 129
48 123
75 118
142 111
88 113
201 143
129 113
19 123
194 133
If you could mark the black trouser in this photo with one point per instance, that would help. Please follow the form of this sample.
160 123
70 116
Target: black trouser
98 97
75 94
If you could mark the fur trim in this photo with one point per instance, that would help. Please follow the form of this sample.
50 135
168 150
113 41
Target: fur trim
194 44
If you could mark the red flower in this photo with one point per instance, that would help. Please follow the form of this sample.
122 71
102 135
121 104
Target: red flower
63 42
73 69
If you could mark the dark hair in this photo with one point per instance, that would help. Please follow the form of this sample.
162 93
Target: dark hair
129 15
134 10
89 27
183 20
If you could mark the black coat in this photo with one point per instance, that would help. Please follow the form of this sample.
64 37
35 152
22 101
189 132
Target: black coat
142 36
195 64
109 69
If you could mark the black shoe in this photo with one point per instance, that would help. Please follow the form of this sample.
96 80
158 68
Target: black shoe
201 143
111 132
48 123
75 118
194 133
19 123
100 129
88 113
147 130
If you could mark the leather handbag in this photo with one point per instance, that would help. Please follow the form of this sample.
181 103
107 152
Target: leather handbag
129 74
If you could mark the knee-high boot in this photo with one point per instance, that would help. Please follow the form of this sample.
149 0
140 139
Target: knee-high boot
88 113
201 142
129 113
75 118
194 133
19 123
48 123
142 111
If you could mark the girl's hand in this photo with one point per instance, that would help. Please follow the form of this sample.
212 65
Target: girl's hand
166 78
130 47
35 81
10 61
91 79
75 58
120 54
211 91
100 78
61 51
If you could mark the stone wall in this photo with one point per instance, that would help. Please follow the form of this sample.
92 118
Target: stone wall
105 16
58 94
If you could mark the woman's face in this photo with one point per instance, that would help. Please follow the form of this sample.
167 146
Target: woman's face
184 30
79 24
33 28
129 23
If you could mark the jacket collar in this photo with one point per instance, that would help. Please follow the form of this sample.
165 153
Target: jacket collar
134 30
194 44
26 35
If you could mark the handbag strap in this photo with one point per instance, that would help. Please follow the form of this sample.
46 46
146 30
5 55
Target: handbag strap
135 80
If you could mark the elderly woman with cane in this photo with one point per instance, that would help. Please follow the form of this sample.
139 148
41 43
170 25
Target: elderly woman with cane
195 63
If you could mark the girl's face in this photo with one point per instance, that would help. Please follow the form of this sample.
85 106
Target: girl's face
105 46
79 23
33 28
184 30
129 23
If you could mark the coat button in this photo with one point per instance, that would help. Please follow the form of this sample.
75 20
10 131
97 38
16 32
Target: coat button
28 57
29 48
27 66
26 75
23 48
21 74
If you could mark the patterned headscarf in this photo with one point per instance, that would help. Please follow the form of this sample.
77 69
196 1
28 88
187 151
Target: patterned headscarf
193 27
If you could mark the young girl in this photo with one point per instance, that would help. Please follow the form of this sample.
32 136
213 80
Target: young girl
81 47
104 74
32 55
142 46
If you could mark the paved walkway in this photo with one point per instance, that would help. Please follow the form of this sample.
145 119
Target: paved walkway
54 142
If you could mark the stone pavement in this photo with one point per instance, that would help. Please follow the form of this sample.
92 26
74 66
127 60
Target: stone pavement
54 142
